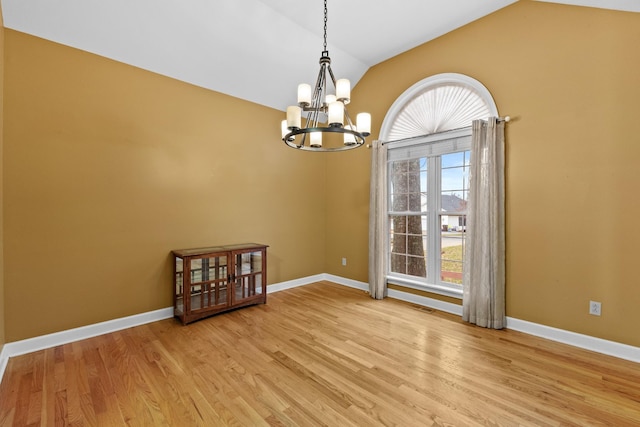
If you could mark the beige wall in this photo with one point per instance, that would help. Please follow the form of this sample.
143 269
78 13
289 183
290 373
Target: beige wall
570 75
2 327
109 167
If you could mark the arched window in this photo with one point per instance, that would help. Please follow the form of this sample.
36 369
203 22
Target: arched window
436 104
427 132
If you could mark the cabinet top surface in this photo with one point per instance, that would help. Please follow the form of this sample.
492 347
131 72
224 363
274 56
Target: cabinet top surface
213 249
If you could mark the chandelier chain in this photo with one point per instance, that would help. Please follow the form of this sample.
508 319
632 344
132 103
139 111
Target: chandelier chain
325 25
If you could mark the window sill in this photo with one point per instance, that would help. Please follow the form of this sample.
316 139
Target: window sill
452 291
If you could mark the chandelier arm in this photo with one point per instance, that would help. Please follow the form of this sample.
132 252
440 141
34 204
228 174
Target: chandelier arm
333 79
348 121
317 101
316 106
322 88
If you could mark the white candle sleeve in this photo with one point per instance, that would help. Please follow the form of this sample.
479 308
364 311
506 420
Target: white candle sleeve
316 139
294 117
336 113
343 90
304 94
363 123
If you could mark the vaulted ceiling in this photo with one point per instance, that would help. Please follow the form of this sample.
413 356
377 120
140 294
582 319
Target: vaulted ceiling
258 50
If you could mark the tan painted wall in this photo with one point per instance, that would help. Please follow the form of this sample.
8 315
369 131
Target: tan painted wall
2 324
570 75
108 168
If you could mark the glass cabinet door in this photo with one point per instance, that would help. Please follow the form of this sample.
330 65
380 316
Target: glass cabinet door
248 275
208 282
178 270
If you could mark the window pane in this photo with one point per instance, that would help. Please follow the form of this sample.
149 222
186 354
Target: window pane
415 246
455 178
413 166
400 167
399 263
417 266
455 182
415 193
399 202
398 196
398 183
452 243
453 159
398 224
455 202
408 248
408 189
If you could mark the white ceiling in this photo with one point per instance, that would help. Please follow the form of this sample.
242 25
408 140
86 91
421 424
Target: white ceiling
258 50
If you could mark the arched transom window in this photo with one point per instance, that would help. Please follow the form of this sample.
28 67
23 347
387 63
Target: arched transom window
436 104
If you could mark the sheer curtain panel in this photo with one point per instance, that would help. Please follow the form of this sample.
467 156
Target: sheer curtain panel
377 221
483 300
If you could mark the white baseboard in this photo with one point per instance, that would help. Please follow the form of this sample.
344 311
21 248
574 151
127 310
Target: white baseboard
599 345
346 282
4 359
317 278
52 340
587 342
277 287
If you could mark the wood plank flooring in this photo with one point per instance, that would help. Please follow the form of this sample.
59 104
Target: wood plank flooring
319 355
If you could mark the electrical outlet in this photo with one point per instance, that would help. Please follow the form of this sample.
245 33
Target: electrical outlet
595 308
344 261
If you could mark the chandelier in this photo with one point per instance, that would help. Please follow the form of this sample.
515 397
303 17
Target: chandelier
325 105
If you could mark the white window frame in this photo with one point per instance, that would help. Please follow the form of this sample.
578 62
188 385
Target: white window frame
431 147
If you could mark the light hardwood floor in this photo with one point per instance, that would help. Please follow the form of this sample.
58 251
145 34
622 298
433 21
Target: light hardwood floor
321 354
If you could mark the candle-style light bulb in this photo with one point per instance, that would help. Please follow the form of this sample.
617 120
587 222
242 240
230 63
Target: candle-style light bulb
304 94
336 114
343 90
329 99
294 117
316 139
363 123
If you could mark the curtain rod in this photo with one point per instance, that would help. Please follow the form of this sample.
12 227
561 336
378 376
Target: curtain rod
505 119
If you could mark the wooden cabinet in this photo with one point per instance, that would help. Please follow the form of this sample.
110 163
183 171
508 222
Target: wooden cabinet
211 280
